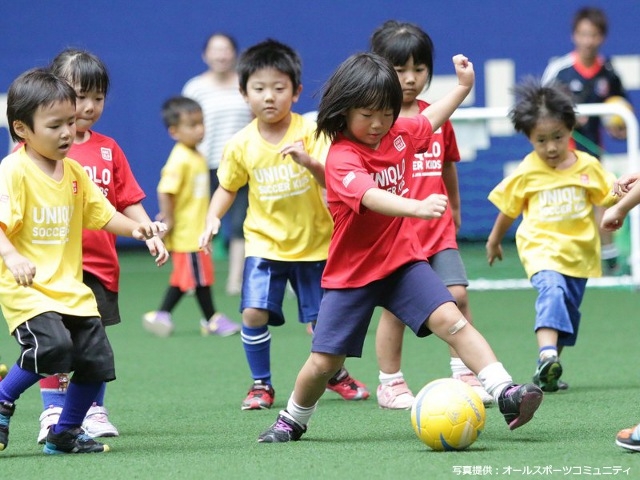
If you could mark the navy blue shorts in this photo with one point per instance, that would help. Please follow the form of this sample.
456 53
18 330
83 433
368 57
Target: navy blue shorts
52 343
411 293
264 284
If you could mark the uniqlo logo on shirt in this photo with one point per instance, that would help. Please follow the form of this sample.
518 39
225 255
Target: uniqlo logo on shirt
74 187
399 144
106 154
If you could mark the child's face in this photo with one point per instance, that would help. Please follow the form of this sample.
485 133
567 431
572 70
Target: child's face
368 126
270 95
54 128
190 130
89 107
587 39
550 140
413 79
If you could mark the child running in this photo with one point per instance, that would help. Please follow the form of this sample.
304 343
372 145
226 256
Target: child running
555 189
46 199
375 256
288 226
107 166
410 51
183 195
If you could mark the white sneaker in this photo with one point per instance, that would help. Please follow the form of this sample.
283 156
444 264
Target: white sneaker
158 323
48 419
96 423
395 395
471 380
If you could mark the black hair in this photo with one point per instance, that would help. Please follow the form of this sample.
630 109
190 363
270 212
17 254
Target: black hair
33 89
81 69
593 15
535 101
176 106
400 41
232 41
364 80
269 54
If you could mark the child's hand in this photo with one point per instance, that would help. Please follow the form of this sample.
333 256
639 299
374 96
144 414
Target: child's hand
464 70
625 183
297 152
146 231
211 229
433 206
157 249
22 269
612 219
494 250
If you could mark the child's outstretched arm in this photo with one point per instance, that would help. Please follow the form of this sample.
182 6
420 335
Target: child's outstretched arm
143 231
613 217
22 269
385 203
221 201
500 227
155 245
301 157
440 111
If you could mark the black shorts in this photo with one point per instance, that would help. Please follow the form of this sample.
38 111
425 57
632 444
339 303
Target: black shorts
106 299
53 343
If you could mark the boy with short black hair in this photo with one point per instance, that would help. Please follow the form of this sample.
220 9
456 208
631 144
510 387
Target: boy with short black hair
288 226
46 199
183 195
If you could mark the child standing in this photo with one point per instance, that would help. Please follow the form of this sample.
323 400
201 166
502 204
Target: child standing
410 51
555 189
375 256
183 195
288 226
46 199
107 166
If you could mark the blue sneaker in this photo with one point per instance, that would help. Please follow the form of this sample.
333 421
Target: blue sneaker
6 412
72 441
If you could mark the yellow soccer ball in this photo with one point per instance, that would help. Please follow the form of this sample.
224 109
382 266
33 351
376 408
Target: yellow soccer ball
447 414
616 121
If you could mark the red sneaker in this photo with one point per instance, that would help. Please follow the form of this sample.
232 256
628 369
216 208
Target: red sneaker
261 396
348 387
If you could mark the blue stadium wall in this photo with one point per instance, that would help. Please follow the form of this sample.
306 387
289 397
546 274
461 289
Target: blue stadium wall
153 47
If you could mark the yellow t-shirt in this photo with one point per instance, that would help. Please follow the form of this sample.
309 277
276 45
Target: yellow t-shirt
43 218
558 231
287 218
186 177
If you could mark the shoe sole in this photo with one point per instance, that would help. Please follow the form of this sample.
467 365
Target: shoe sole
358 396
528 406
635 448
51 451
157 329
549 376
104 434
255 406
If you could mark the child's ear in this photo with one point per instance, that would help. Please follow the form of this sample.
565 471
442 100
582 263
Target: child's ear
172 132
296 93
20 128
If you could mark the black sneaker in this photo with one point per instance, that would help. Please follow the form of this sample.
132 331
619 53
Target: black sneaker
548 374
286 429
72 441
518 403
563 385
6 412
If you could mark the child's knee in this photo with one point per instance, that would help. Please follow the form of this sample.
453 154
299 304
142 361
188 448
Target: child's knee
326 365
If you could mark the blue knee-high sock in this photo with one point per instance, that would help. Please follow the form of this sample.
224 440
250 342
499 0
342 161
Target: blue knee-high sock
79 398
257 348
99 400
16 382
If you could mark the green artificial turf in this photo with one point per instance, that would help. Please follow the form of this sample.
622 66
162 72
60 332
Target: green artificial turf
177 400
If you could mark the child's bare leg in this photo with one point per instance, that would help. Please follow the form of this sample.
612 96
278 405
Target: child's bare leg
313 377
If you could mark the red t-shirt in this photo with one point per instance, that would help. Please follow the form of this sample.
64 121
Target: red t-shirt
106 164
367 246
435 235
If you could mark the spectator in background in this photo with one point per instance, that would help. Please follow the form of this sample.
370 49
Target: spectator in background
591 79
225 113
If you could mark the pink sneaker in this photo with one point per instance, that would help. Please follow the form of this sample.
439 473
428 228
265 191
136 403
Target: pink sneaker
471 380
158 323
395 395
220 325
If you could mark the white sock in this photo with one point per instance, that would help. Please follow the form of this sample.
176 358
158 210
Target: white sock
387 378
458 368
495 379
302 415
